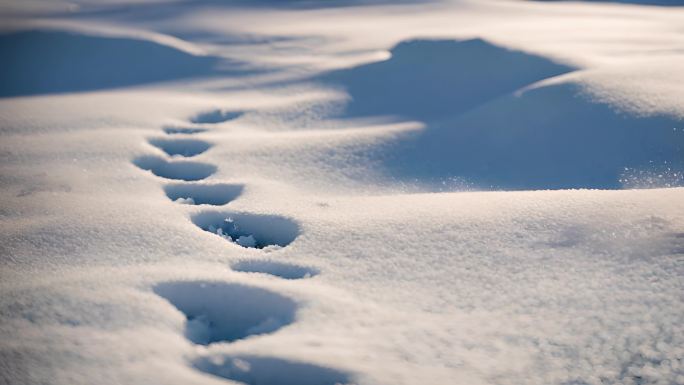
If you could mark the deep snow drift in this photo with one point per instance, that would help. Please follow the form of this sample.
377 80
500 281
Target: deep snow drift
316 193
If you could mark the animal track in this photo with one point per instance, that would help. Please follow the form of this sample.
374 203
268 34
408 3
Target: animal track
182 147
278 269
203 194
183 130
255 370
225 312
180 170
248 230
216 116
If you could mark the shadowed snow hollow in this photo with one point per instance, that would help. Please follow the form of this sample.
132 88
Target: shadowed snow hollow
39 62
224 312
551 137
179 169
216 116
255 370
181 147
203 194
483 131
249 230
430 79
274 268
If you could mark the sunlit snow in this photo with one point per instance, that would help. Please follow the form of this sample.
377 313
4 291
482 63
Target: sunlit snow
363 192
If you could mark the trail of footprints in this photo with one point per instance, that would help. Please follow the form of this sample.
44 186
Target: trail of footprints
222 312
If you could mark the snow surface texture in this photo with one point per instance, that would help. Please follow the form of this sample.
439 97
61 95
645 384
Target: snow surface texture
347 192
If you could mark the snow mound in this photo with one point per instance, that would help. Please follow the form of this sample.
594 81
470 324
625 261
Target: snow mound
224 312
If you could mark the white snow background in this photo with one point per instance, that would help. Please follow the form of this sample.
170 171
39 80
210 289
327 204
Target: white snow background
341 192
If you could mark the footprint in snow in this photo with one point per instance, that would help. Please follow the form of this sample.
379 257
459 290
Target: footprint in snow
249 230
257 370
216 116
225 312
277 269
175 169
203 193
182 147
184 130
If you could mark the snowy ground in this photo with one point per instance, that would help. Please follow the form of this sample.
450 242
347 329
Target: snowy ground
319 193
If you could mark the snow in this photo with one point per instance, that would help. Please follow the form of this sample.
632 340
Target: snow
275 268
452 192
203 193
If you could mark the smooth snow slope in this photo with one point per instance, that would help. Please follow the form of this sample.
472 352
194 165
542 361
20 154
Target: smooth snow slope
295 193
486 124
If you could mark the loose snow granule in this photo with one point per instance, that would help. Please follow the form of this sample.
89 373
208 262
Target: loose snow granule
246 241
271 248
221 234
241 365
